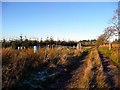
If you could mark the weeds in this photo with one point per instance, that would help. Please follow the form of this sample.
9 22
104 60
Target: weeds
18 63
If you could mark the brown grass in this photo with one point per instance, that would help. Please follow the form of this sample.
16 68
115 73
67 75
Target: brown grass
18 62
93 72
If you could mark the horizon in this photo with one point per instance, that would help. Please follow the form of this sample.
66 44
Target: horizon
43 39
66 20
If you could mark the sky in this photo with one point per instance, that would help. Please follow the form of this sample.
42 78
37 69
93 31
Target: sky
61 20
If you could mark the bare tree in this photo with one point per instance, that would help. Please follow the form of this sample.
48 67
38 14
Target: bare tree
114 29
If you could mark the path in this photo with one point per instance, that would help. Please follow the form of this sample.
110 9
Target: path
97 72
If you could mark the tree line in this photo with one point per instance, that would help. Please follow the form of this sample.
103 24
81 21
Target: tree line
27 43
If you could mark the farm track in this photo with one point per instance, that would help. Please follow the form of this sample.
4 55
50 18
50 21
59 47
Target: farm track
96 72
112 72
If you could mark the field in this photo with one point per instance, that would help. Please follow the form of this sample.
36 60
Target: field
62 68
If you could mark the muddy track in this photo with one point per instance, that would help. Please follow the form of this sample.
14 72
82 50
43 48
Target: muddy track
111 71
96 72
93 83
84 76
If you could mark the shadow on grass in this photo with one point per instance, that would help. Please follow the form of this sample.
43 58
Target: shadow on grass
75 64
47 77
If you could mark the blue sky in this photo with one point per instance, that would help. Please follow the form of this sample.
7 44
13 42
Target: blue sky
73 21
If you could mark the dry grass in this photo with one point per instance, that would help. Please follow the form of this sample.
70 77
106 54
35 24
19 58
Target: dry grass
18 62
93 73
87 74
15 63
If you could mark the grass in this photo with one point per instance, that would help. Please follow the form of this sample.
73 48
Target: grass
113 54
17 64
93 72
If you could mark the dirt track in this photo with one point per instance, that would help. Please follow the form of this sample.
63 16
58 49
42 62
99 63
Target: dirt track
97 71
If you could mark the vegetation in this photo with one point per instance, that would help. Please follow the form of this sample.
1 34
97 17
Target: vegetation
17 64
28 43
113 54
93 76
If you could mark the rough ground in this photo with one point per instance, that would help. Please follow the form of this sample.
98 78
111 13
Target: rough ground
91 71
96 72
